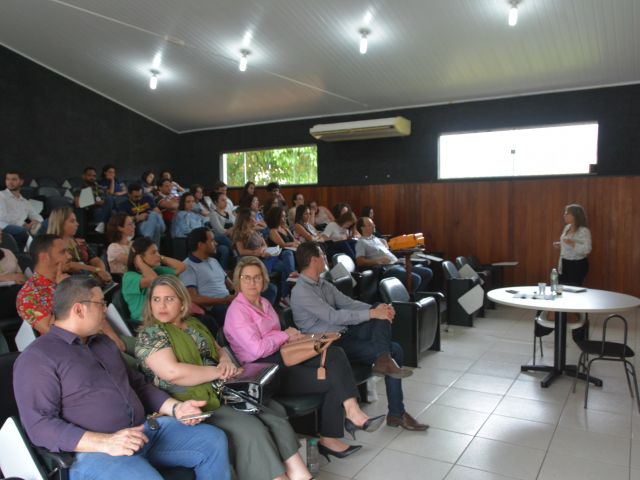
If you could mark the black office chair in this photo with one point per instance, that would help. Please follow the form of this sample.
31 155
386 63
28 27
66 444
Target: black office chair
417 324
366 289
47 182
9 243
179 249
56 201
455 287
608 351
50 191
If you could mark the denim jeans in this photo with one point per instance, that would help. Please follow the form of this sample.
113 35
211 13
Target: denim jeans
102 213
20 235
203 448
153 227
364 343
420 276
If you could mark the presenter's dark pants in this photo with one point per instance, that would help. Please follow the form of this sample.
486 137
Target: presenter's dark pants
364 343
338 386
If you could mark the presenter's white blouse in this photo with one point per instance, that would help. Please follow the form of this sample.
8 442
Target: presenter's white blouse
582 247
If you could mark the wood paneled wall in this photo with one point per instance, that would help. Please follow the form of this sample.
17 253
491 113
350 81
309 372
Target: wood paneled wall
509 220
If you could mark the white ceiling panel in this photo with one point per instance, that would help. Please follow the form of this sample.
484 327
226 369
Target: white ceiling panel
304 59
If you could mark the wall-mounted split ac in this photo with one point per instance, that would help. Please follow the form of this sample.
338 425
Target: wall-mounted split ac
362 130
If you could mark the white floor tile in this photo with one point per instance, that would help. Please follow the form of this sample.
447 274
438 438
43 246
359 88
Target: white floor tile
502 458
453 419
557 392
469 400
435 376
634 474
484 383
576 416
517 431
560 466
533 410
350 466
459 472
391 464
496 369
445 361
434 443
593 446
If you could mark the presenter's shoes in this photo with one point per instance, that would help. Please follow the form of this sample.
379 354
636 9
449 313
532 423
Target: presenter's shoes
407 422
387 366
326 452
371 425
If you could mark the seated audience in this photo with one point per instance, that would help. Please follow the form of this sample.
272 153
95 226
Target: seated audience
186 219
368 212
248 241
35 299
221 219
249 189
273 188
204 278
221 187
167 202
84 399
281 236
103 207
320 216
180 355
63 223
176 189
148 182
143 266
340 233
120 232
372 251
17 216
11 281
253 202
340 209
303 230
272 201
253 331
146 215
319 307
297 199
110 182
200 206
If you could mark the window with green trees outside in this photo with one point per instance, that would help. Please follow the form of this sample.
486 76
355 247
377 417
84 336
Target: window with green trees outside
287 166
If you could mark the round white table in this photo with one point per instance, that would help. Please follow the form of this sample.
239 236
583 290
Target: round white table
589 301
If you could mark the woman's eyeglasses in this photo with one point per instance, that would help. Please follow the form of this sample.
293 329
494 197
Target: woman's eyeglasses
250 279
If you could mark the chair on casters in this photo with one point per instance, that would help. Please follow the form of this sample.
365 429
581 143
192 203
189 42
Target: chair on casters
417 324
611 351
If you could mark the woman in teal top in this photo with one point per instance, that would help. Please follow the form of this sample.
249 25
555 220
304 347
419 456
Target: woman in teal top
144 265
179 355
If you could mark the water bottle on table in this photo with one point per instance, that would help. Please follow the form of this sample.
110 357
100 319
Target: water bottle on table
553 280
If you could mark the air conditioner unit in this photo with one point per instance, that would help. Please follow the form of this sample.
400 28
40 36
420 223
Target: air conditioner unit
362 130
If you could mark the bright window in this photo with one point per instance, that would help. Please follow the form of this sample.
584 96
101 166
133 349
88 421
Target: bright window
556 150
287 166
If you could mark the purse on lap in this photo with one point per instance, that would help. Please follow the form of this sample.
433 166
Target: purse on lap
298 351
246 392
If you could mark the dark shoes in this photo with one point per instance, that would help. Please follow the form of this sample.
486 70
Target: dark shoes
407 422
325 452
387 366
371 425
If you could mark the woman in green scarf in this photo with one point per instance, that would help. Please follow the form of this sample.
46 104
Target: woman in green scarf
179 355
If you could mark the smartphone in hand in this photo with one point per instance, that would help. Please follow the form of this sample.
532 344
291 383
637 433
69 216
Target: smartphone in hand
196 416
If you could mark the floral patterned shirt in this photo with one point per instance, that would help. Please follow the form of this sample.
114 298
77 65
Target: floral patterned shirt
152 339
35 299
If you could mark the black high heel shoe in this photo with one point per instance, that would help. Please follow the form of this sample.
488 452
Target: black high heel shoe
371 425
325 452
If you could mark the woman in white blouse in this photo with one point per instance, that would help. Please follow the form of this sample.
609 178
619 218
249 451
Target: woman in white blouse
575 246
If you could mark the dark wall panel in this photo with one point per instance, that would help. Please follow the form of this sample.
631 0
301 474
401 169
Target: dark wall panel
415 158
51 126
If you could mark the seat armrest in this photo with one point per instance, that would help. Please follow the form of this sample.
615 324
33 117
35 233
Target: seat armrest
398 304
59 459
439 296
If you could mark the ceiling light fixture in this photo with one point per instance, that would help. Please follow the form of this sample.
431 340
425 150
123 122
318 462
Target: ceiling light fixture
157 60
243 59
153 81
513 14
364 42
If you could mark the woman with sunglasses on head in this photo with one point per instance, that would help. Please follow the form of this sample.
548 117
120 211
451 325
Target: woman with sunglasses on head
179 355
253 330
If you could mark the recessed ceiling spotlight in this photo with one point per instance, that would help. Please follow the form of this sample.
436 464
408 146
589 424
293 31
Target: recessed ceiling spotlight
246 39
153 81
364 42
513 14
157 60
243 59
367 17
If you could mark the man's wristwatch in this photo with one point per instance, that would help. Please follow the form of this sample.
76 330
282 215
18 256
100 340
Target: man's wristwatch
173 410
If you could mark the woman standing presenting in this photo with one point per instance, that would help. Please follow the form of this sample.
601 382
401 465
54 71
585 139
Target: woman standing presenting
575 246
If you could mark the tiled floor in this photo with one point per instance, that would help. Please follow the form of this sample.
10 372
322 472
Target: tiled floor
489 421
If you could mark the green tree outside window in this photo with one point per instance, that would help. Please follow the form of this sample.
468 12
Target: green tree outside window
287 166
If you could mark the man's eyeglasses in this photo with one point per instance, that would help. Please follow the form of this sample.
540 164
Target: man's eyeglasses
250 279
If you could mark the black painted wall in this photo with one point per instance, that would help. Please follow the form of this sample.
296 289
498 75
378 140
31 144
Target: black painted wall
415 158
51 126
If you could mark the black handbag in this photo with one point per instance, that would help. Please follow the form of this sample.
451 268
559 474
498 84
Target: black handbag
246 392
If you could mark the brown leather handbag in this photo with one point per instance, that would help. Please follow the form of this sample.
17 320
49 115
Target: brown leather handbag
308 347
